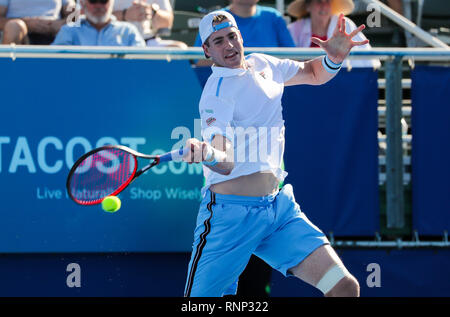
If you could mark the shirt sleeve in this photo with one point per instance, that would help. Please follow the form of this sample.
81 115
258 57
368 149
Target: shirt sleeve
288 68
216 115
64 36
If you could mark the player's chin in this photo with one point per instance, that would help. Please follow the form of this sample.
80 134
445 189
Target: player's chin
234 61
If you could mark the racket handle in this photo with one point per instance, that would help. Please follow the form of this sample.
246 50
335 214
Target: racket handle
175 155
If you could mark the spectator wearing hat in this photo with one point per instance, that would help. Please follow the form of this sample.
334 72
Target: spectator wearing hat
317 18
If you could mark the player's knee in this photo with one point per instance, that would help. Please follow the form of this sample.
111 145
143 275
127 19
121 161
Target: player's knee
348 286
337 281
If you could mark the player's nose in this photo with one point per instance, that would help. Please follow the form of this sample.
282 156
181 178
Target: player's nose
229 44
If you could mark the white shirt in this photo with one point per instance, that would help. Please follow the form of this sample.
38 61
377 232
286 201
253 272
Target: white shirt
144 27
240 101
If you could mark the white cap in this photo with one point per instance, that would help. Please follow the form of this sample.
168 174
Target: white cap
206 27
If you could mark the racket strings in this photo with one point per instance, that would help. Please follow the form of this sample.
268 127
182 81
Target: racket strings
101 174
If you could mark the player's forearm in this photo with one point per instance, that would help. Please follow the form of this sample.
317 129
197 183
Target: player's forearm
220 161
312 73
223 168
320 74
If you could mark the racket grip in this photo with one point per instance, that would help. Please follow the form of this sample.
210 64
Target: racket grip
175 155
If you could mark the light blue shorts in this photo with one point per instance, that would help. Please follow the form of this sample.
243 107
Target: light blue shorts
231 228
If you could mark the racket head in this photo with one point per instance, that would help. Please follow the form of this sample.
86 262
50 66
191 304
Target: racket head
104 171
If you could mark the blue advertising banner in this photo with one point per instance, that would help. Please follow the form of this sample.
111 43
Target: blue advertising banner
430 116
53 111
383 273
71 106
332 152
380 273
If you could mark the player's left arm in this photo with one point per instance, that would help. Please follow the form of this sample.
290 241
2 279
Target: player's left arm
322 69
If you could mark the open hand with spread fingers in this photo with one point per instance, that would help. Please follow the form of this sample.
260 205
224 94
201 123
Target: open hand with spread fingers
340 43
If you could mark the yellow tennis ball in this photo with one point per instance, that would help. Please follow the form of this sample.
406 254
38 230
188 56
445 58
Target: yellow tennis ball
111 203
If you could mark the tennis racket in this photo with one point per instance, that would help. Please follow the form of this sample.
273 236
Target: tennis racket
108 170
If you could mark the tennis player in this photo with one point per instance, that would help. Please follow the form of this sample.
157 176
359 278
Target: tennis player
243 212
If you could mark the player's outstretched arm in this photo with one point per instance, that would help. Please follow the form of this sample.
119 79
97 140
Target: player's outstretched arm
320 70
218 156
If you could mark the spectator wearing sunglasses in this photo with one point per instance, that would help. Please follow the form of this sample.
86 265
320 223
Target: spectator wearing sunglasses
99 27
36 23
151 17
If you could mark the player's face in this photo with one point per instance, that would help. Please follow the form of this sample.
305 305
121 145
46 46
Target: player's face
226 48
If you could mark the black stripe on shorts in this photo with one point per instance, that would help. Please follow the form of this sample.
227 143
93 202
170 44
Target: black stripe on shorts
200 246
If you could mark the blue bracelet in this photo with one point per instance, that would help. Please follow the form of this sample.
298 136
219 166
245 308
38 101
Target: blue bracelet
329 66
214 161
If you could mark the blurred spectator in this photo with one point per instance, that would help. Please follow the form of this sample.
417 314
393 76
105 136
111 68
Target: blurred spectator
396 5
318 18
98 26
150 17
260 26
38 22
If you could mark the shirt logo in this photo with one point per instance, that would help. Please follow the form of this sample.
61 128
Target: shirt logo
210 121
263 75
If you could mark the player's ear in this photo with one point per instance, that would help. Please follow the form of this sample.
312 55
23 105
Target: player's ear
205 50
